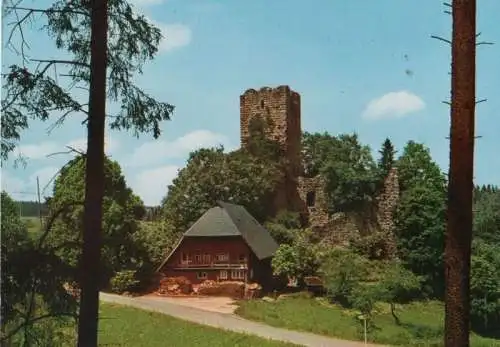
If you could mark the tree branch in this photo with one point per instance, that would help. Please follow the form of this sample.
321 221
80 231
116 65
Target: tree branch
57 61
62 118
38 77
71 150
441 39
46 11
482 43
52 218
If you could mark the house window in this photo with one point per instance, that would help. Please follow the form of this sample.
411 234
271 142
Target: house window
201 275
237 274
262 103
242 258
223 275
197 258
221 257
185 258
311 199
206 258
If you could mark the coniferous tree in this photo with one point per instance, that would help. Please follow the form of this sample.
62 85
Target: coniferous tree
386 161
458 240
107 43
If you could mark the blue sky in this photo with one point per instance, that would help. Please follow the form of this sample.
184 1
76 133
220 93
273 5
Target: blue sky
364 66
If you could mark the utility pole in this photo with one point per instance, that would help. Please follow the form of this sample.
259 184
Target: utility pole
39 201
458 238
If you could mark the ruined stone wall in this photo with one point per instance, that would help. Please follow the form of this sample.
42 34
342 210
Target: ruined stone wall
387 203
313 187
336 229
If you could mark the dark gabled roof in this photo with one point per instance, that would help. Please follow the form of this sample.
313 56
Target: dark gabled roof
232 220
256 236
214 222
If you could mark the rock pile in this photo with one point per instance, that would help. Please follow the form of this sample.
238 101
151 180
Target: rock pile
254 290
175 286
230 289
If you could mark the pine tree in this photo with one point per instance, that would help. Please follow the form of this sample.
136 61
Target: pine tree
458 240
386 161
107 44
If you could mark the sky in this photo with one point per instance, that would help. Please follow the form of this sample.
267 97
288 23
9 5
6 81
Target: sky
369 67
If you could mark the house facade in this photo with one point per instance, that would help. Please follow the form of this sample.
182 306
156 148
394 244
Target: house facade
225 244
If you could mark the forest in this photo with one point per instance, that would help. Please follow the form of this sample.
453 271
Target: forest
356 276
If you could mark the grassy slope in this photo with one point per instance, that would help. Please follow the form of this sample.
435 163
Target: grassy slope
126 326
33 224
421 322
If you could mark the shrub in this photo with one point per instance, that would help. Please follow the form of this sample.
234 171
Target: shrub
297 260
123 281
373 246
342 272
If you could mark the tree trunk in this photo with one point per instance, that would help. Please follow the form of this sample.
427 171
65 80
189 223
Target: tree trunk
460 186
94 179
394 315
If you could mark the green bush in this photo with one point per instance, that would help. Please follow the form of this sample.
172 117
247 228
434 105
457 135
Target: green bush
123 281
342 272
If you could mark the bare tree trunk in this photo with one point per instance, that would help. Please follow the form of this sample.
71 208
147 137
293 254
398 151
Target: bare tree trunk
94 179
460 188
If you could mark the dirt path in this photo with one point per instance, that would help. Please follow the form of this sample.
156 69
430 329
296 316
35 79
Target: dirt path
227 321
213 304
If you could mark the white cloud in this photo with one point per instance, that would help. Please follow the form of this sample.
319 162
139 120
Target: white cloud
39 151
26 189
110 145
153 151
151 185
174 36
13 185
393 105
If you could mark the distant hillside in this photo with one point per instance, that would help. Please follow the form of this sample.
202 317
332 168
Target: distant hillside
30 209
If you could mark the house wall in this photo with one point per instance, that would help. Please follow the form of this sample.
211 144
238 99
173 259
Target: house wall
233 246
262 272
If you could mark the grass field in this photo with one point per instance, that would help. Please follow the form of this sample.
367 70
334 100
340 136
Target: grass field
130 327
33 224
421 323
126 326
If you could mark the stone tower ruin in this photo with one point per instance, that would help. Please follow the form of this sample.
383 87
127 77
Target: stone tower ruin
279 110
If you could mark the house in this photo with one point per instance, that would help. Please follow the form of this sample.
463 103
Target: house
225 244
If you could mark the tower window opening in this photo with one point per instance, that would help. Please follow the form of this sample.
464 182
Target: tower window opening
311 199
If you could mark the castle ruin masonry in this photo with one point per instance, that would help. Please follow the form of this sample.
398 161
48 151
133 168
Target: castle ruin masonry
280 109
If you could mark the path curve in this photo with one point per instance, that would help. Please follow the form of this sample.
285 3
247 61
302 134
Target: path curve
228 321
